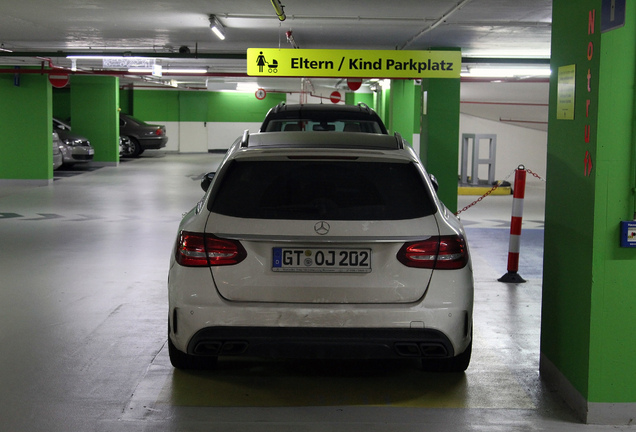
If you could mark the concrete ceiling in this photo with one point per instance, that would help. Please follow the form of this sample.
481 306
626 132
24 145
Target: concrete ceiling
33 31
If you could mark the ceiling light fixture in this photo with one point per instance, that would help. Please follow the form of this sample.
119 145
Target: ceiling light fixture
102 57
114 61
503 72
250 87
217 27
280 13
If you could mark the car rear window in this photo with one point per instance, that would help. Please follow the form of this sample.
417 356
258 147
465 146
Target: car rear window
304 125
304 190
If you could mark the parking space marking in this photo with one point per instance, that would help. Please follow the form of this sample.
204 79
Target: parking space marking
243 382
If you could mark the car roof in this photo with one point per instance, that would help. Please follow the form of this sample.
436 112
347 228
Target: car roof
331 112
295 108
322 140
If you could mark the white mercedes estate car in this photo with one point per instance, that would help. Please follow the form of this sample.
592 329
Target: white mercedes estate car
320 245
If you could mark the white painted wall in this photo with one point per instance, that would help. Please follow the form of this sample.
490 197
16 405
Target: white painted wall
515 146
199 137
193 137
172 130
222 135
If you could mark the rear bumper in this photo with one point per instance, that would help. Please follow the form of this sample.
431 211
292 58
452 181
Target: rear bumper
443 317
153 143
321 343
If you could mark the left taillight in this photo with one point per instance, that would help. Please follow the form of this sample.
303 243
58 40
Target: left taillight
204 250
438 252
159 132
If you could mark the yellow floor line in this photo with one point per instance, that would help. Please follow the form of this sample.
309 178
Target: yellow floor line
481 190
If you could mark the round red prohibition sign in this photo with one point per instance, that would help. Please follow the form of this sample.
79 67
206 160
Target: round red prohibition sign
260 94
354 83
59 80
335 97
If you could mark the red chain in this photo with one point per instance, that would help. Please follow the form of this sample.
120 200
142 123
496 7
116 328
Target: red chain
534 174
528 170
478 199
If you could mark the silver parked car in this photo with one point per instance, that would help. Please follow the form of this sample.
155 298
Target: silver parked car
75 148
315 245
58 159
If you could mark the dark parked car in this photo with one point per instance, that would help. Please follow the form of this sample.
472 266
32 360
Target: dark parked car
75 148
125 145
323 118
142 135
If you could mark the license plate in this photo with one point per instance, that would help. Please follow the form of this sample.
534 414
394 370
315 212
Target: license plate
321 260
91 152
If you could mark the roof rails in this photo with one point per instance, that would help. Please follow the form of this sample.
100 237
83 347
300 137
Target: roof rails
400 141
365 107
302 139
279 107
246 138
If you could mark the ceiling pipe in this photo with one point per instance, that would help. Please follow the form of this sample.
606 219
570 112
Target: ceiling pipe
64 54
439 21
505 103
504 80
119 73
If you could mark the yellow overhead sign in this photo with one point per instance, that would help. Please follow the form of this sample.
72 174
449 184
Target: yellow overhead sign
353 63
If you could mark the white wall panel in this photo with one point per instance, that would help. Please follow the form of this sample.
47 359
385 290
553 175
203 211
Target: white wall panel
193 137
220 136
515 145
172 130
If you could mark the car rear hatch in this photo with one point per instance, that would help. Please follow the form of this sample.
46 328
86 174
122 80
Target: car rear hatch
323 228
300 262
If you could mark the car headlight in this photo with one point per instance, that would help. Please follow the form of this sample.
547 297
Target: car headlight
73 142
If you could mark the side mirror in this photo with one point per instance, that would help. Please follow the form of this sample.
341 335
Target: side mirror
434 181
206 180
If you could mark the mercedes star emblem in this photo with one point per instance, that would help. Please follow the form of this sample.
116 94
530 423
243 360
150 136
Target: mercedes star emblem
321 228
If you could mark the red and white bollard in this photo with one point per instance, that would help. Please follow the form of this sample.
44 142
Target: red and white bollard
515 228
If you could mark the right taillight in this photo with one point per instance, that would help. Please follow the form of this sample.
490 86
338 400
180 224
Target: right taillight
204 250
438 252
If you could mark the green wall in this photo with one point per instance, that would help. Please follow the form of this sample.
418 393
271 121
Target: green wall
25 113
354 98
178 105
589 301
153 104
62 103
402 108
613 294
201 106
439 140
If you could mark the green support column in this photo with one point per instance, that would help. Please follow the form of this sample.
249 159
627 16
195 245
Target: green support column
588 342
25 122
439 140
384 105
94 114
402 108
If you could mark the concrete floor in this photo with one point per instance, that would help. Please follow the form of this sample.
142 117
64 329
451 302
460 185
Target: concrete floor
83 325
